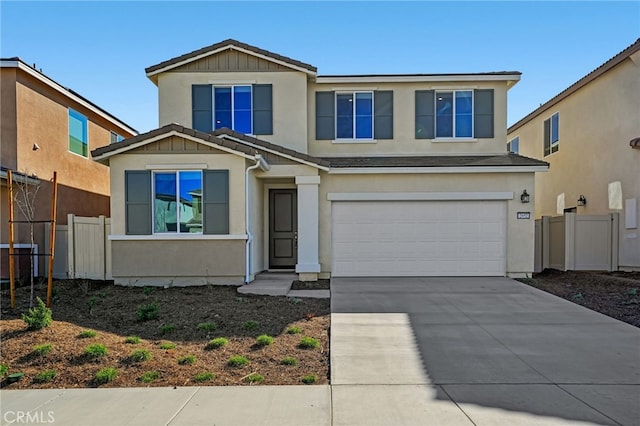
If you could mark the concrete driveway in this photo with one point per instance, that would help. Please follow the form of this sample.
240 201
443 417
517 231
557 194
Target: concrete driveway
484 351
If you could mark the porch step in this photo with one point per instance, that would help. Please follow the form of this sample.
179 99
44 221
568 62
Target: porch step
279 284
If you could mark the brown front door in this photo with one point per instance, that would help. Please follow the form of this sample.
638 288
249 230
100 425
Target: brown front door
283 228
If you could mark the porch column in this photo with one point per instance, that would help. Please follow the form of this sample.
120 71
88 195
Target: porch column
308 265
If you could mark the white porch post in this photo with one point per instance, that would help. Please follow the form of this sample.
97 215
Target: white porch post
308 265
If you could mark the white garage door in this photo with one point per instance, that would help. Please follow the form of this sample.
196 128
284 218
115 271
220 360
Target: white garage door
419 238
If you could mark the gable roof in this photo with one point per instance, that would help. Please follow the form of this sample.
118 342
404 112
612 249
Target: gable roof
602 69
223 138
225 45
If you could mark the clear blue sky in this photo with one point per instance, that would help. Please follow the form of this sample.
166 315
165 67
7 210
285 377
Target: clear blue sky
100 49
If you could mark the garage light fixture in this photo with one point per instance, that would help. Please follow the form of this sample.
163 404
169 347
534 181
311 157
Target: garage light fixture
582 201
524 198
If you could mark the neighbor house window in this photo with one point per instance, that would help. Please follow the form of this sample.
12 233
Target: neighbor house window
115 137
454 114
514 145
354 115
551 134
232 108
177 202
78 134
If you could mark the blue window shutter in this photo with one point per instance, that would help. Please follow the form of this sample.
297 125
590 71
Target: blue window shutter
216 201
383 114
137 195
425 112
202 107
325 115
483 113
262 109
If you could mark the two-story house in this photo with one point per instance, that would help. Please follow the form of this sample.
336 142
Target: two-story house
260 163
46 127
588 133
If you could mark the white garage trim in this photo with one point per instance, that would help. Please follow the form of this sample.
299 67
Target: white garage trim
417 196
419 238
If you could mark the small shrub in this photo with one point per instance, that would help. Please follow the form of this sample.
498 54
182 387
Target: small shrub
242 299
294 330
250 325
203 377
289 360
42 350
264 340
45 376
140 355
149 376
4 369
186 360
38 317
308 343
132 340
216 343
148 290
96 350
147 312
237 361
85 334
207 326
167 345
309 379
93 301
294 300
254 378
632 292
105 375
168 328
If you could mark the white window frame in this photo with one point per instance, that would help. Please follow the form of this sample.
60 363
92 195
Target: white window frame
554 144
213 104
510 145
153 201
69 109
335 108
453 125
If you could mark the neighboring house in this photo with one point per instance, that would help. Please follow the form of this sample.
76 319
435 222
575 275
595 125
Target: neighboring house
45 128
344 175
589 135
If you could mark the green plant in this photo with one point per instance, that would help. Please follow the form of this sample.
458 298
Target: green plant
187 360
242 299
216 343
578 296
149 376
309 379
38 317
148 290
250 325
294 300
237 361
92 302
147 312
203 377
167 345
167 328
97 350
4 369
264 340
308 343
45 376
632 292
207 326
289 360
84 334
42 350
132 340
254 378
294 330
105 375
140 355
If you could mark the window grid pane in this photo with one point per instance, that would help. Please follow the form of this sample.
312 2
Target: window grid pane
344 116
242 109
222 102
444 114
364 115
190 212
554 128
164 203
78 133
464 114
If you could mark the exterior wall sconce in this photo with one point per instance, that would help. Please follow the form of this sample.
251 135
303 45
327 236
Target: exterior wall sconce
524 197
582 201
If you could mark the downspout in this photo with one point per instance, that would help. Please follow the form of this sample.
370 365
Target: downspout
260 163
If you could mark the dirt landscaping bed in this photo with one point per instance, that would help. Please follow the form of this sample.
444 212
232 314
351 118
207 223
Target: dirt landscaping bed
615 294
188 318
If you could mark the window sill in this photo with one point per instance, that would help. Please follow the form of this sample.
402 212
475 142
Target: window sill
356 141
169 237
455 140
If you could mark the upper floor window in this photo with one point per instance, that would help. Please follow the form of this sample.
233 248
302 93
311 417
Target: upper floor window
115 138
514 145
454 114
78 133
177 202
244 108
354 115
552 134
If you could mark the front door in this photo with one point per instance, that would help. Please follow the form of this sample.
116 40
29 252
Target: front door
283 228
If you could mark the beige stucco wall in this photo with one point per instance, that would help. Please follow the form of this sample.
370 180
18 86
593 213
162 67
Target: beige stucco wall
596 124
289 100
404 141
520 233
